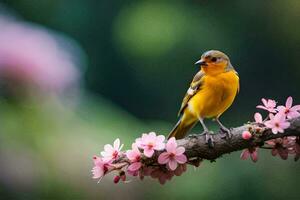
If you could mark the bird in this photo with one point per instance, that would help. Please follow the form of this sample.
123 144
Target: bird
211 92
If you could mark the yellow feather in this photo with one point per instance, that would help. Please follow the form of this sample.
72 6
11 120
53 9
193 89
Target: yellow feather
211 92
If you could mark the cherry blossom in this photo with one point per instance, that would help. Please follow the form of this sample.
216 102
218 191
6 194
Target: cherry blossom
112 152
134 156
173 155
100 167
150 142
151 156
289 110
277 123
268 104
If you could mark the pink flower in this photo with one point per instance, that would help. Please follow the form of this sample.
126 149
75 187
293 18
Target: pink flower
173 156
246 135
100 167
269 105
289 110
277 123
251 152
35 58
150 142
112 152
134 156
258 118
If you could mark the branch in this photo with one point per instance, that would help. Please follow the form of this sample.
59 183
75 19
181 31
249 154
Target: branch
196 147
152 156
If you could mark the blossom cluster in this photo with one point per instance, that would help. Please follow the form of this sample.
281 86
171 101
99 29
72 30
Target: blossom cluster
37 59
278 121
149 155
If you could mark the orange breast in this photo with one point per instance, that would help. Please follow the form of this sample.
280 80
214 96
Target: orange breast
215 96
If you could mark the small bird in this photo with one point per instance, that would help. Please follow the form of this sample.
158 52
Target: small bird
210 94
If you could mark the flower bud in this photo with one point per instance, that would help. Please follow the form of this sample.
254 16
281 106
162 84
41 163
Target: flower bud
246 135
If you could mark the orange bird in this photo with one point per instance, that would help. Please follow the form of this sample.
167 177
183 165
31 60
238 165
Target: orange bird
210 94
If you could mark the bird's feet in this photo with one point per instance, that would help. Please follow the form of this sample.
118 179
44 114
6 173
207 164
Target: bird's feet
208 138
225 133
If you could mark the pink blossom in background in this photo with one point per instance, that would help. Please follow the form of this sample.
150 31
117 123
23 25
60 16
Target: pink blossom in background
268 104
289 110
134 156
173 155
277 123
150 142
252 153
112 152
32 57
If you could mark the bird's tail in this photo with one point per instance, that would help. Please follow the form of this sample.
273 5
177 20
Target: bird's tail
181 129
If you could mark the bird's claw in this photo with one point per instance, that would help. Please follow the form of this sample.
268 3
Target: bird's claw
225 133
208 138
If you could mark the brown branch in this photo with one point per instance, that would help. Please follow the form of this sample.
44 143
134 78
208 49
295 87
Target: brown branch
196 150
196 147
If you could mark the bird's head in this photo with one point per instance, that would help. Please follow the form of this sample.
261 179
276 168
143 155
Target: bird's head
214 61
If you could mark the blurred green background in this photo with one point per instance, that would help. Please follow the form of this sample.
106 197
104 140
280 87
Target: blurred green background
136 61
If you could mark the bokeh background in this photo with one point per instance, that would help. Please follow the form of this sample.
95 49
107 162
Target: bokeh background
74 75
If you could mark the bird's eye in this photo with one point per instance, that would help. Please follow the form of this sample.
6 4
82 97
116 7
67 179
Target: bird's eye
213 59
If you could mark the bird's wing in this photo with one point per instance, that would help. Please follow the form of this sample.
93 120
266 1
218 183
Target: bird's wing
193 89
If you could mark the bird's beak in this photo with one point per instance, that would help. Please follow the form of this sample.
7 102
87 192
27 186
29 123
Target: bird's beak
201 62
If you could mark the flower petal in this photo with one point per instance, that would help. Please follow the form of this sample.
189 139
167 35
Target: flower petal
172 164
264 101
285 125
275 130
152 136
296 107
261 107
293 114
245 154
148 152
159 146
181 159
134 166
274 152
108 148
163 158
171 145
180 150
160 138
281 108
258 118
254 156
98 172
117 143
131 155
283 153
289 102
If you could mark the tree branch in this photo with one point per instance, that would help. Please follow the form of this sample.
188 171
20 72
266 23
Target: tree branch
196 147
